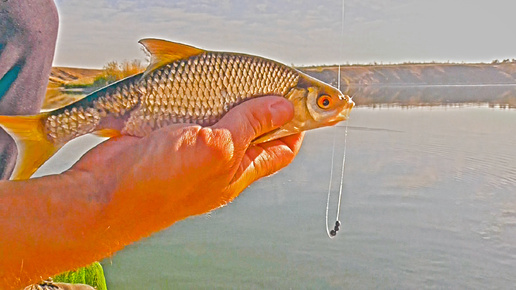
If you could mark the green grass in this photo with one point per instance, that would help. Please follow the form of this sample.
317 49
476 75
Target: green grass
92 275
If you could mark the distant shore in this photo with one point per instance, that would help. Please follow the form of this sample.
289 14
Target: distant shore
368 84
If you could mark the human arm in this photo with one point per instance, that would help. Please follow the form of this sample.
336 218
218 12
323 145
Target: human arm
127 188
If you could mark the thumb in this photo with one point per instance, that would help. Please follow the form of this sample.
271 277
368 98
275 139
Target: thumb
256 117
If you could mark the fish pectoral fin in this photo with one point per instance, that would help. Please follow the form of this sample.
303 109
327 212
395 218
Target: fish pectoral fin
34 148
164 52
272 135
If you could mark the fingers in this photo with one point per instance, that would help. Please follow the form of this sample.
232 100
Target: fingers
269 157
264 159
256 117
294 141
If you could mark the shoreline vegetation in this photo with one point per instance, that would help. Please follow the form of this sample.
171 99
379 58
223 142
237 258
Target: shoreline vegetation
406 84
67 84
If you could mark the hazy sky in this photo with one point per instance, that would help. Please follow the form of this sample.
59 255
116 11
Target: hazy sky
300 32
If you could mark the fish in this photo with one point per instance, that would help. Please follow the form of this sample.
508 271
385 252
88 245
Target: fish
182 84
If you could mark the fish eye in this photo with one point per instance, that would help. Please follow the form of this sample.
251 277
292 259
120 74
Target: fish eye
324 101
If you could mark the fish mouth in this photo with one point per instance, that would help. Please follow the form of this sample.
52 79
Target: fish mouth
344 114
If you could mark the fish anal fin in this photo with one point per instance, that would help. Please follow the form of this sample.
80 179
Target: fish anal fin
34 148
164 52
107 133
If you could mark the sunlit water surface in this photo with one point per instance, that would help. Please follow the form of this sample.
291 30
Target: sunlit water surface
429 201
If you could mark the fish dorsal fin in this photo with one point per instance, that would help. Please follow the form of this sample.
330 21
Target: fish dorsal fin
164 52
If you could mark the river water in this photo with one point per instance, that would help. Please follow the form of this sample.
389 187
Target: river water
429 201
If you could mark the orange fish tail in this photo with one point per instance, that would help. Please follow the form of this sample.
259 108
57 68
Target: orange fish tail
34 148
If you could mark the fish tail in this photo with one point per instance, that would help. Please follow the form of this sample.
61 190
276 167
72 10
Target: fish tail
34 148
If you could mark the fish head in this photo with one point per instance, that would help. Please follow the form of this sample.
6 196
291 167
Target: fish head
316 104
326 105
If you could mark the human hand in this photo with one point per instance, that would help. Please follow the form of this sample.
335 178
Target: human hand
183 170
128 188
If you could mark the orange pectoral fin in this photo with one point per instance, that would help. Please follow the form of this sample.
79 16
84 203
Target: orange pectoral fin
275 134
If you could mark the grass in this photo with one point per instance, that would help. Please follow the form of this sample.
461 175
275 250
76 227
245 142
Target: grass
92 275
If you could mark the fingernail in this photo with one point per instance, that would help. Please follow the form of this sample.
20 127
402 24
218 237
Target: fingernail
281 111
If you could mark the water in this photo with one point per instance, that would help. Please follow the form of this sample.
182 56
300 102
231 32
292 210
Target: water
429 202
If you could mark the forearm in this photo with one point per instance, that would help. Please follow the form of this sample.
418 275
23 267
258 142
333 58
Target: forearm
46 226
61 222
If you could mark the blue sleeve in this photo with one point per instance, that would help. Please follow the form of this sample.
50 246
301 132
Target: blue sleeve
27 43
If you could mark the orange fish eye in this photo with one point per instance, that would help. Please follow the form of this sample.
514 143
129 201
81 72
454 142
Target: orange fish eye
324 101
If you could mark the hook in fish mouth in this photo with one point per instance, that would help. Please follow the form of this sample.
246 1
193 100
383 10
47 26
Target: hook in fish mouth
344 114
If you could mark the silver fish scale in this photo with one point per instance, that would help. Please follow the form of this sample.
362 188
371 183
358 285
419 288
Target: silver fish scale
198 90
75 121
203 88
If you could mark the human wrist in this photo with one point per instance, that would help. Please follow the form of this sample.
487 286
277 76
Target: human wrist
93 188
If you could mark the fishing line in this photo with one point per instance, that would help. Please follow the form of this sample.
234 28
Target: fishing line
342 172
332 233
341 44
329 185
336 227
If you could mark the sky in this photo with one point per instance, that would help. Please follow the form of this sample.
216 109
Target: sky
298 32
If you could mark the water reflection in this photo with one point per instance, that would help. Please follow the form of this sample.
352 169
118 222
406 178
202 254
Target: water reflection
428 203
